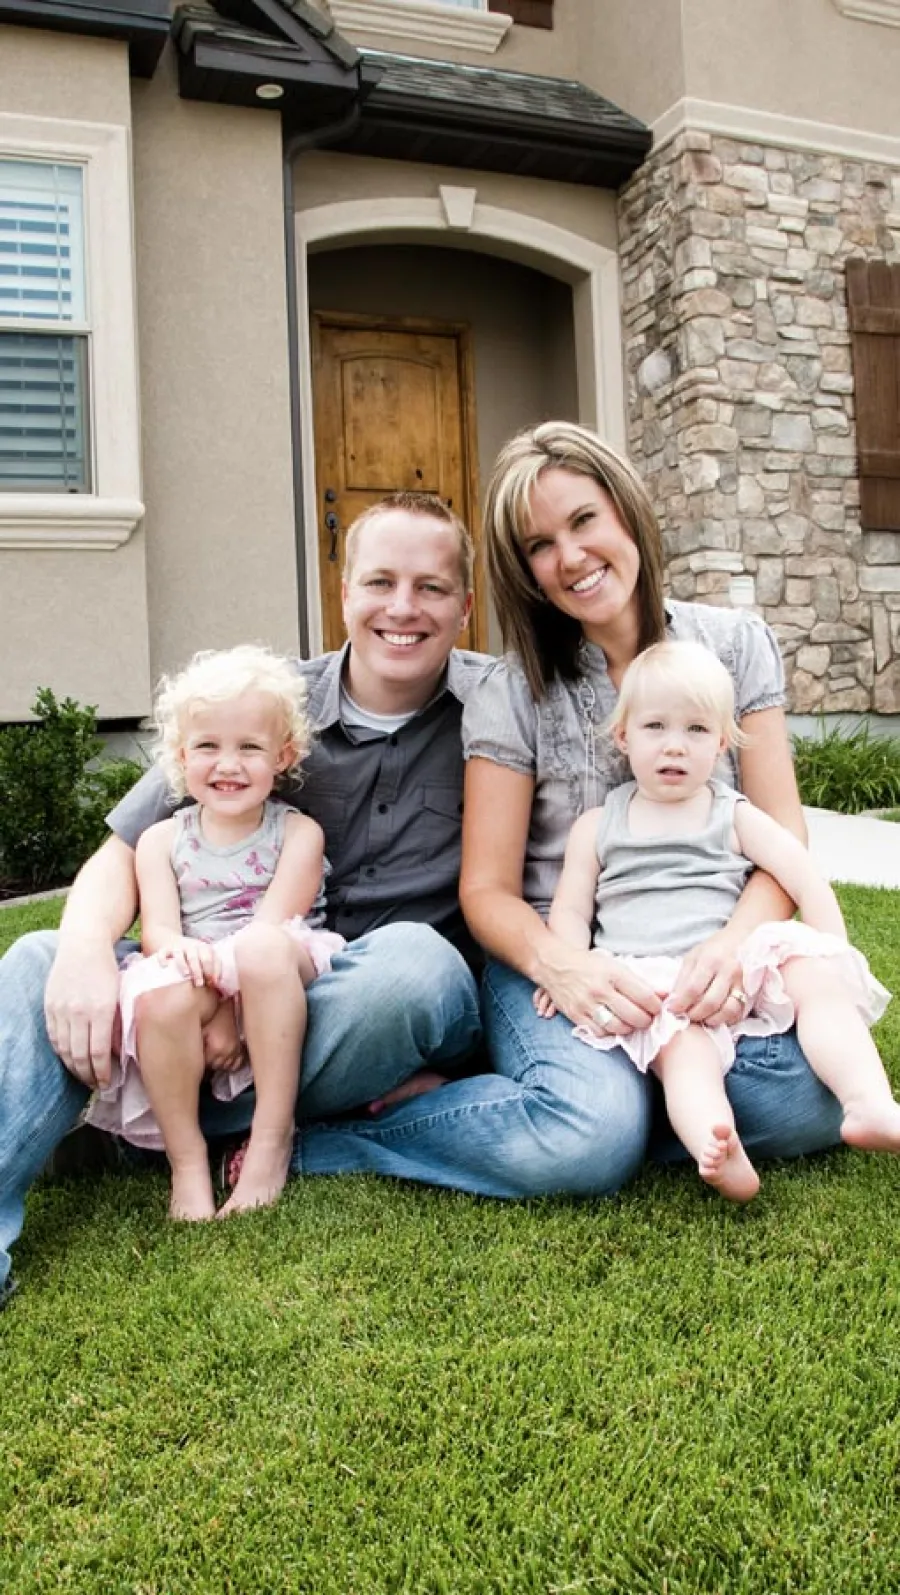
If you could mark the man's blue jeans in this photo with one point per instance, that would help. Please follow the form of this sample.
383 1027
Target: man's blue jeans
557 1116
393 1001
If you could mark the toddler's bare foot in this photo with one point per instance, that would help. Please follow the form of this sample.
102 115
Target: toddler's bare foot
724 1164
872 1123
263 1172
192 1194
423 1080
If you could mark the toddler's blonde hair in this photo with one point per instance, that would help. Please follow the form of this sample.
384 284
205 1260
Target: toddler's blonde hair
217 676
686 667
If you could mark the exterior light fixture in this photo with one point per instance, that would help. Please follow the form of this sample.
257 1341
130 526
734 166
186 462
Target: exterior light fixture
269 91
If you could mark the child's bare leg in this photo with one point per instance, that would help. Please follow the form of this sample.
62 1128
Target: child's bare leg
273 973
840 1050
170 1049
700 1113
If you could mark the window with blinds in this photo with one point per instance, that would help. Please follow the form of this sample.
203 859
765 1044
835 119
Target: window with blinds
44 331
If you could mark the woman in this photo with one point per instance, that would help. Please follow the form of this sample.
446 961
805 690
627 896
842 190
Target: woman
575 563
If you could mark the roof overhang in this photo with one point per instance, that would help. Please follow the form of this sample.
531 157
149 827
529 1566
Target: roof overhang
141 24
486 119
441 112
309 74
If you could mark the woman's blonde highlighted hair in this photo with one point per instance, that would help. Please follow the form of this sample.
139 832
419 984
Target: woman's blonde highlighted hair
685 667
545 640
219 676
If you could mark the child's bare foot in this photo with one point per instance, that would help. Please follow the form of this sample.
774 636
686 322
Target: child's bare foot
263 1173
873 1124
724 1164
423 1080
192 1194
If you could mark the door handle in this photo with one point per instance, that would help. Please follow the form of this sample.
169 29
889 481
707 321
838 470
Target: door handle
332 525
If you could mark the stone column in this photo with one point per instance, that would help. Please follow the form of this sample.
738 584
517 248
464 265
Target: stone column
740 393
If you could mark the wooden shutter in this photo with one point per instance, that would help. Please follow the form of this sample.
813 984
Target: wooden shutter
530 13
873 299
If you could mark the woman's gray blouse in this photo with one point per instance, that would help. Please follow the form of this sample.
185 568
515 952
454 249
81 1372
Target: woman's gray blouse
561 744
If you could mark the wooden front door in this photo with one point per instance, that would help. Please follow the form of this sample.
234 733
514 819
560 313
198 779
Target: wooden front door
393 409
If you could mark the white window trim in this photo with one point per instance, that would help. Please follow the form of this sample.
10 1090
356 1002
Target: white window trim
107 516
886 11
426 20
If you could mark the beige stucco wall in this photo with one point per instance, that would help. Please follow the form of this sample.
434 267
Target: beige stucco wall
323 177
803 59
72 620
63 75
221 559
631 53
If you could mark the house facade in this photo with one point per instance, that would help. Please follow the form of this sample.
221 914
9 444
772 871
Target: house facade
262 261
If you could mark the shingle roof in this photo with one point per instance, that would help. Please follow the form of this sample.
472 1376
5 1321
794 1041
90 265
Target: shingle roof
498 94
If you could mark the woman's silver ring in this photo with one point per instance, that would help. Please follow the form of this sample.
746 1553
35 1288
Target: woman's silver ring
739 995
603 1016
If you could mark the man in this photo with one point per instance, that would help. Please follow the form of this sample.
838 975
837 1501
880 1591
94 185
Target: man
384 779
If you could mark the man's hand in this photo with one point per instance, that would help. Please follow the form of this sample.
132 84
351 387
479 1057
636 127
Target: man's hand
223 1049
81 1005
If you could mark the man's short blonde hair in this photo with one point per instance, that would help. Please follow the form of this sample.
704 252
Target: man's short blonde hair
219 676
686 667
429 507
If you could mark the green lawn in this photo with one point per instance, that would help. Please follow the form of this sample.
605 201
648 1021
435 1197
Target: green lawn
378 1389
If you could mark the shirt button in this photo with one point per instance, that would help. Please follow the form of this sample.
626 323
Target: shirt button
370 869
393 740
383 808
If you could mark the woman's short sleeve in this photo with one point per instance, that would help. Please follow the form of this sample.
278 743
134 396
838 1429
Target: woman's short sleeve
745 645
500 720
758 668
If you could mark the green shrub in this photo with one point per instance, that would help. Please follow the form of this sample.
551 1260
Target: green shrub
54 792
848 770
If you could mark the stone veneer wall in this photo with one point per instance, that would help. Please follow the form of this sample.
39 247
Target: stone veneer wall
740 396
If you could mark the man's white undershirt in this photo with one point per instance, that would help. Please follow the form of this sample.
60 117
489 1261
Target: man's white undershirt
352 714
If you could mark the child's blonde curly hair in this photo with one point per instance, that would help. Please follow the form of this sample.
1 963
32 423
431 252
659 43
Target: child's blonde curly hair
217 676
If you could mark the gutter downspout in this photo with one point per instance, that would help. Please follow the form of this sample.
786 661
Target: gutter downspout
293 145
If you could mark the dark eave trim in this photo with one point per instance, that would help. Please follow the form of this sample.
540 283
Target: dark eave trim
224 62
424 129
141 24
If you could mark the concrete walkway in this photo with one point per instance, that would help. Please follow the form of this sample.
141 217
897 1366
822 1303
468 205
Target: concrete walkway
855 847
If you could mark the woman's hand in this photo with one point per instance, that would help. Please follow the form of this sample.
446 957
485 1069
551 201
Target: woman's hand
195 960
595 990
708 989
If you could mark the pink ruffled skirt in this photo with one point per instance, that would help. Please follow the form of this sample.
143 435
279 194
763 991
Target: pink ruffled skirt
123 1107
771 1012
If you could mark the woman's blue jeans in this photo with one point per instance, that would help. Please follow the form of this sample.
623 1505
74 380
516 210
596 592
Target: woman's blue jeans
557 1116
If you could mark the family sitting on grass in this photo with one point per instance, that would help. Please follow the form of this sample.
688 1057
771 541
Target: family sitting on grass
657 942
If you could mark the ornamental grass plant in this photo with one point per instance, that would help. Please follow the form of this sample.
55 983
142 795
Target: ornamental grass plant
848 769
380 1389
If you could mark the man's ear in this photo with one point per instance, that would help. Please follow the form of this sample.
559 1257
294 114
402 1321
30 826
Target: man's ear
467 610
